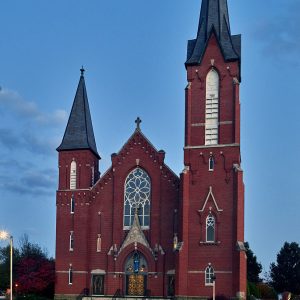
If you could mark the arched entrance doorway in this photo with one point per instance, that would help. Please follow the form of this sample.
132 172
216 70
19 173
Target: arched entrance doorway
136 269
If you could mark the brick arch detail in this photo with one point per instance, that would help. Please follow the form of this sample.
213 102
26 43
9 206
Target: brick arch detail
131 248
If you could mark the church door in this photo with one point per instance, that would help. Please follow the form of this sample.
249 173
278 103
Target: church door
136 274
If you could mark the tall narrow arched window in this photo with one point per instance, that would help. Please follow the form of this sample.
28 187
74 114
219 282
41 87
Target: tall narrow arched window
73 175
209 274
212 108
211 163
210 228
71 240
70 273
72 205
137 191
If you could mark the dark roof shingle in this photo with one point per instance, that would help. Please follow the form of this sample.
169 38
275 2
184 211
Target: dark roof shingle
79 132
214 18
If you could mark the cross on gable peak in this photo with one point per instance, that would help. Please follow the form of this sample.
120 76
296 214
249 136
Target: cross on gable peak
138 122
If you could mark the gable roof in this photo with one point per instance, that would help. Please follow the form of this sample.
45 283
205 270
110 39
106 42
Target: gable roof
79 132
139 134
214 18
135 235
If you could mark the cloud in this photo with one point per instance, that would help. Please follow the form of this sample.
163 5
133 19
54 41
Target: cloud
28 110
9 139
40 144
30 182
13 163
40 179
28 139
279 34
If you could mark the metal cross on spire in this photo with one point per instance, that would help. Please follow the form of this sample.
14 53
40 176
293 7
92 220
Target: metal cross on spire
138 121
82 70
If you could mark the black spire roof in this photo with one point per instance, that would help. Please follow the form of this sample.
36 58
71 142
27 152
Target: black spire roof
214 18
79 132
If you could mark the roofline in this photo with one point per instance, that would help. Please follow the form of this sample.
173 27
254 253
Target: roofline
78 149
213 31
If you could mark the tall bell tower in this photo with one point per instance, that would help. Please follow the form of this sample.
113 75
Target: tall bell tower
212 205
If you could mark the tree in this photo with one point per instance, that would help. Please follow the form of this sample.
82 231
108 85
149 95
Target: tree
285 274
254 268
35 272
36 276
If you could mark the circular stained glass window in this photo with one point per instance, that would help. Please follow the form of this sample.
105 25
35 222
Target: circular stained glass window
137 188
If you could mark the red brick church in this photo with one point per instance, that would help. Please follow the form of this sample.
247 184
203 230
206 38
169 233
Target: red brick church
140 230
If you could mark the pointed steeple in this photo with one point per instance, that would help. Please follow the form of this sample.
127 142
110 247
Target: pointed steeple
214 18
79 132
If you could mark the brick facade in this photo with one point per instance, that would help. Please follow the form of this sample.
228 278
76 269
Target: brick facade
179 205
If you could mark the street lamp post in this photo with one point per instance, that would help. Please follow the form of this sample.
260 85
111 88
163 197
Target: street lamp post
213 278
4 235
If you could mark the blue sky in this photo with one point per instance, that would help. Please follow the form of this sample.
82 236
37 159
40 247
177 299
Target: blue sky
134 53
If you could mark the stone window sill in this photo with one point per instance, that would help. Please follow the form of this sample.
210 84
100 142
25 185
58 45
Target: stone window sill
210 243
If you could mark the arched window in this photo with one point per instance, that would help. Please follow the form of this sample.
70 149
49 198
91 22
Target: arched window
136 263
210 228
73 173
72 205
71 241
212 108
211 164
209 274
70 275
137 198
136 270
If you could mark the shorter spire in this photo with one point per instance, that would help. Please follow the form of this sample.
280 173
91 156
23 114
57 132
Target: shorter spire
79 132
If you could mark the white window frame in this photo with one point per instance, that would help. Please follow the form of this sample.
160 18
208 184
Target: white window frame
211 161
127 202
212 108
71 244
73 175
209 218
209 272
70 275
72 205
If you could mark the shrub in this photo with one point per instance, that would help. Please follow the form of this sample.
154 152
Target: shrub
252 290
266 291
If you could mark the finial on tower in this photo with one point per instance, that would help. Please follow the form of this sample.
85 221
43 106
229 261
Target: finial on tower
82 70
138 121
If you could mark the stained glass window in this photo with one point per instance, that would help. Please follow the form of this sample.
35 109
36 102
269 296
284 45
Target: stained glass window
210 228
137 198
